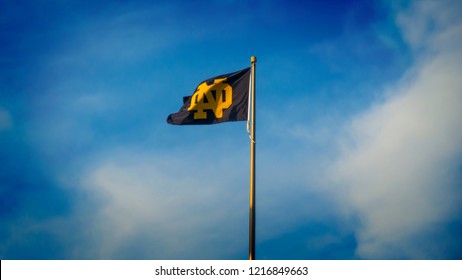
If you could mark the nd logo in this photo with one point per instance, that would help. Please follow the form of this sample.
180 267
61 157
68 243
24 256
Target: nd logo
216 97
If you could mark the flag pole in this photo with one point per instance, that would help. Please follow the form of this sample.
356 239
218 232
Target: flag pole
253 60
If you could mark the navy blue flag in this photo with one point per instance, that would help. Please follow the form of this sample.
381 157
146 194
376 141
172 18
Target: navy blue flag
219 99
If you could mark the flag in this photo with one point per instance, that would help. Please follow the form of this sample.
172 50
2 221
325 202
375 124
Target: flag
219 99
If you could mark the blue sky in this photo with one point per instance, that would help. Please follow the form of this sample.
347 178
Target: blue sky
359 132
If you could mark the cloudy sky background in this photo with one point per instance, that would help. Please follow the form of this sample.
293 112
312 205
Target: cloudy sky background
359 133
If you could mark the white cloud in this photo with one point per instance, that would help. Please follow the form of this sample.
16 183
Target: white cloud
164 209
399 170
423 22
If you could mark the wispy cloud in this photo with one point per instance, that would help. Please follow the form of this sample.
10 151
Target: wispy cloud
178 210
398 171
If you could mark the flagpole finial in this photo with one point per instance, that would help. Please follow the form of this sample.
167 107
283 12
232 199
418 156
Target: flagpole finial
253 59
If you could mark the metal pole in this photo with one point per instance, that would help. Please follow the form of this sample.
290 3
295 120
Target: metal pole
253 60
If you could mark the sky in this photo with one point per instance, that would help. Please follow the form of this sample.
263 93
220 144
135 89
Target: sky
358 130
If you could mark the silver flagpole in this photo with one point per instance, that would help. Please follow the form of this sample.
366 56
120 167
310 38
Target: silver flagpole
253 60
